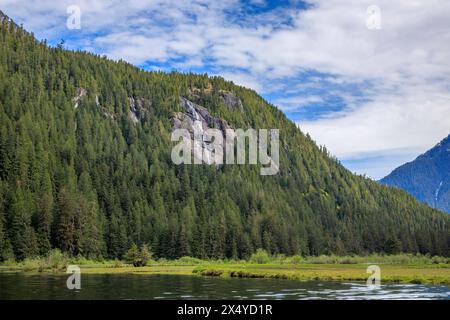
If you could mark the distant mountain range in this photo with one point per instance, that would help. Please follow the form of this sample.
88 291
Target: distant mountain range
427 178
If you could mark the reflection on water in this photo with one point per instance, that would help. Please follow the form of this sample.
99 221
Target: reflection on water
129 286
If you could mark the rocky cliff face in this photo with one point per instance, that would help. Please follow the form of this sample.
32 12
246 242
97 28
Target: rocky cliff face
194 112
81 93
197 119
231 100
204 144
138 108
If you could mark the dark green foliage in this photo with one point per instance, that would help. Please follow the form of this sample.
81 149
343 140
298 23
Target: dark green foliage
260 256
136 257
146 254
90 181
133 255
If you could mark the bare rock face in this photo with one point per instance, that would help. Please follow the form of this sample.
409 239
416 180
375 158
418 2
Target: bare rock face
197 118
138 108
194 112
80 94
231 100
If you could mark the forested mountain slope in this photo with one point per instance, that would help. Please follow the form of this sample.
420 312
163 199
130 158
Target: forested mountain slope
427 178
85 166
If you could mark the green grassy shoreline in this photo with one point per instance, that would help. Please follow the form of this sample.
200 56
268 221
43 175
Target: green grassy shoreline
389 273
415 269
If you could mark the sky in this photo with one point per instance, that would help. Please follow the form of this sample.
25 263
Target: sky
370 80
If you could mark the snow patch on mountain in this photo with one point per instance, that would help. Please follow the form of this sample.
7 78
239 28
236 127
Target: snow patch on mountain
436 195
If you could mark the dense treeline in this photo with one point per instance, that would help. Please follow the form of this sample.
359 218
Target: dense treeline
90 181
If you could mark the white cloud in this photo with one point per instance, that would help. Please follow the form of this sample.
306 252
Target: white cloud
242 79
395 126
293 103
136 48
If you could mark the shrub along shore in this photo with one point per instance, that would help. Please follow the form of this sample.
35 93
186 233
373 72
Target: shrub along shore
400 268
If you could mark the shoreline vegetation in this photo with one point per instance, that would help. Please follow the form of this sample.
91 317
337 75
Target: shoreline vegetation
399 268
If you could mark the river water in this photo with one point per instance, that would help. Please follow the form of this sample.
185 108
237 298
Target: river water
135 286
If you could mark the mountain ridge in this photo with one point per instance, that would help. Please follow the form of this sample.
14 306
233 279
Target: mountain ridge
85 167
427 178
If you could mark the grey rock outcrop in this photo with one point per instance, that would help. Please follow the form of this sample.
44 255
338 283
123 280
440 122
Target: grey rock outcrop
138 108
80 94
194 112
196 118
231 100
